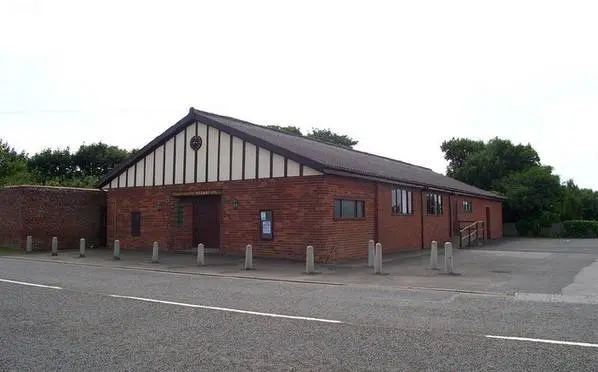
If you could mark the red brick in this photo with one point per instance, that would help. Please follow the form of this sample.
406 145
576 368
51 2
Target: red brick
43 212
303 215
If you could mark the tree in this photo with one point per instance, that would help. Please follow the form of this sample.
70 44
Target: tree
458 150
56 165
97 159
13 166
288 129
578 204
483 165
326 135
533 197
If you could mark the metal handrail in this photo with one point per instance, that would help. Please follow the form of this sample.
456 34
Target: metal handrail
471 225
468 231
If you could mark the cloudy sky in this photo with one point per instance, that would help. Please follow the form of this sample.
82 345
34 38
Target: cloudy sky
399 76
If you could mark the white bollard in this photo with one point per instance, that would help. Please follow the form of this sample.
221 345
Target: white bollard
378 259
309 260
54 246
81 247
201 255
116 254
434 255
29 244
248 258
448 258
155 249
370 253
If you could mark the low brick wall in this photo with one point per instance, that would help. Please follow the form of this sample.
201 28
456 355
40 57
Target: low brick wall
43 212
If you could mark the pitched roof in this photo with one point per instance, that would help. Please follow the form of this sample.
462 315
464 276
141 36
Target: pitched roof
325 157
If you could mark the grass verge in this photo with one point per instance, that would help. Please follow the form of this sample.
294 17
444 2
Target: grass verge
7 250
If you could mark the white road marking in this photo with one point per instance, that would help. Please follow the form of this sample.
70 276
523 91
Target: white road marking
584 344
230 310
29 284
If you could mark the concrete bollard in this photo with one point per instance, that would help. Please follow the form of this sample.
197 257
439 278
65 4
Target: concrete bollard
201 255
116 253
29 244
248 258
434 255
155 249
370 253
310 267
54 246
448 258
378 259
81 247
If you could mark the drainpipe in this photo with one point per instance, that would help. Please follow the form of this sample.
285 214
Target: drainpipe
450 216
422 218
376 199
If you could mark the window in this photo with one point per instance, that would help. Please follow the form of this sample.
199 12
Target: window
266 225
434 204
180 213
135 223
402 202
349 208
467 206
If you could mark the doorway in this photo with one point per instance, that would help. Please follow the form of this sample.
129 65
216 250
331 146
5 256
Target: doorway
488 223
206 221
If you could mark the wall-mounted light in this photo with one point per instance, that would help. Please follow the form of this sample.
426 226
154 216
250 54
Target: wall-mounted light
235 204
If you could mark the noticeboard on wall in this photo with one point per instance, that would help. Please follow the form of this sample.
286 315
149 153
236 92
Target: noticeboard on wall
266 225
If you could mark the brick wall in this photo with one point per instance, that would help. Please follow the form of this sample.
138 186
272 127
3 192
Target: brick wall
404 233
303 215
43 212
478 213
437 227
397 232
347 238
293 201
12 233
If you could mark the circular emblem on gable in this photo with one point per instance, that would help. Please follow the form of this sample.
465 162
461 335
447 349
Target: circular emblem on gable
195 142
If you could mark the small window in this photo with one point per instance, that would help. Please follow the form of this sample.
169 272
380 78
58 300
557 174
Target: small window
434 204
135 223
467 206
402 202
180 213
349 208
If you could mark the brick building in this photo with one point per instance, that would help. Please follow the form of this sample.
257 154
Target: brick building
43 212
227 183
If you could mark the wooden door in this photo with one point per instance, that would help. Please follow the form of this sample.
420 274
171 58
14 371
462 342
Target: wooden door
206 221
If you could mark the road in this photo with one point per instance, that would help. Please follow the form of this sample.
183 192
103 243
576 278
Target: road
67 317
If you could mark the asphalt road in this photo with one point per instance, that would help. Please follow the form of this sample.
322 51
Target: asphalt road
187 322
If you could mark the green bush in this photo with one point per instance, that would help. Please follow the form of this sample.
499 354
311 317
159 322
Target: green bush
580 229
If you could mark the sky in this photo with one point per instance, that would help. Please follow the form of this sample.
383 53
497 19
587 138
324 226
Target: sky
399 76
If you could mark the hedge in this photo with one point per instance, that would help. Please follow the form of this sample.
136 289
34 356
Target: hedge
580 229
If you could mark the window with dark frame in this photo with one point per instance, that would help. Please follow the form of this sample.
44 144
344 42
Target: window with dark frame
344 208
180 213
467 206
135 223
434 204
402 202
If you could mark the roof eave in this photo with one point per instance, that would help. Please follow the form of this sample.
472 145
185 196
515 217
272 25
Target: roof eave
258 141
408 183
